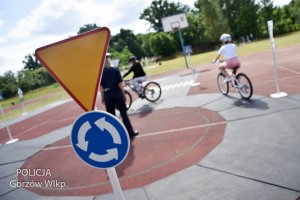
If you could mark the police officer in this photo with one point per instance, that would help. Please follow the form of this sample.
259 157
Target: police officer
113 96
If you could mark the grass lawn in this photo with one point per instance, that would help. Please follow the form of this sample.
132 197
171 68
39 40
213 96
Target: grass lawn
44 96
243 50
33 100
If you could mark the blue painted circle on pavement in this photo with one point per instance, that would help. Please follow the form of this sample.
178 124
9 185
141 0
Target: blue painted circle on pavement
104 148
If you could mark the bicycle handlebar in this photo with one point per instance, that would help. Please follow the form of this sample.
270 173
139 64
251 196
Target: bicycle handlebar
217 62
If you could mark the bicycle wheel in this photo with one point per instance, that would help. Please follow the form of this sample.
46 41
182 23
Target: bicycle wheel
152 91
223 86
244 86
128 101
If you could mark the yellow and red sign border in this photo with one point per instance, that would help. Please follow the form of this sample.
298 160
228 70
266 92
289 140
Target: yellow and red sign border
61 82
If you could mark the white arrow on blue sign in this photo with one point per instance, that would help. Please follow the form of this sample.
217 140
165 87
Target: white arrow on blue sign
100 139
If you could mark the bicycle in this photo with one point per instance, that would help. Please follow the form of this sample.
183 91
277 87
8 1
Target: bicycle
240 82
151 91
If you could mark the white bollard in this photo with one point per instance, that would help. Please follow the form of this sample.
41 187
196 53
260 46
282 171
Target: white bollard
278 94
11 139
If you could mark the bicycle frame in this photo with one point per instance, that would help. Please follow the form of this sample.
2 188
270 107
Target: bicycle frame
128 83
239 85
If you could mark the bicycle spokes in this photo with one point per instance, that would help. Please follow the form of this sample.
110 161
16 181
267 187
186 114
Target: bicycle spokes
222 84
244 86
152 91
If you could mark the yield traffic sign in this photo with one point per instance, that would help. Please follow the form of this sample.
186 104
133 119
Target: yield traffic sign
76 63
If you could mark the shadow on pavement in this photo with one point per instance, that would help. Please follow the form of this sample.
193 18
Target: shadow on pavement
250 104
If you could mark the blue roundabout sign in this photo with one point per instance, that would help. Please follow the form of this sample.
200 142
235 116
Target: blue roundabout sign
100 139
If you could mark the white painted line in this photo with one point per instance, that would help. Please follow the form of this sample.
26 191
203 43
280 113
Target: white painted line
166 87
195 84
182 129
174 86
151 134
290 70
191 82
58 147
180 84
185 83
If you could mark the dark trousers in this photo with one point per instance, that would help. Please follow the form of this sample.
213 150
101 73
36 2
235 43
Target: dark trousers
113 100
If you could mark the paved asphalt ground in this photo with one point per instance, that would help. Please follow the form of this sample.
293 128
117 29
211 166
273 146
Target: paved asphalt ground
194 143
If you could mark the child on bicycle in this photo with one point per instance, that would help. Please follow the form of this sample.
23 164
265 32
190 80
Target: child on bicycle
139 75
229 51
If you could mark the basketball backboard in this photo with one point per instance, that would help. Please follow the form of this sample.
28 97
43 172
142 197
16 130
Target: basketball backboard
174 22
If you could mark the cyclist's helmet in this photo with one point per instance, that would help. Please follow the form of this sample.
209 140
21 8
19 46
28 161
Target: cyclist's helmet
225 37
132 59
107 54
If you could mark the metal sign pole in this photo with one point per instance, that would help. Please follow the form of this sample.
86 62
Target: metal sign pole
113 177
183 49
115 183
190 58
278 94
275 69
23 107
11 140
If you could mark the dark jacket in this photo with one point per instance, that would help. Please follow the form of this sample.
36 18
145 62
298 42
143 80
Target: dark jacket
137 70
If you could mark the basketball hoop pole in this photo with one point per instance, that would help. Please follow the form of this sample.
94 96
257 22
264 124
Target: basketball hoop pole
175 23
182 47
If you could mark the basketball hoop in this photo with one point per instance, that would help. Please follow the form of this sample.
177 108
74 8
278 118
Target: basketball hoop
174 22
175 26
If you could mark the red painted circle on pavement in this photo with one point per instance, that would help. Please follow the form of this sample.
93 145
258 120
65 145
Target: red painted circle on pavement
170 140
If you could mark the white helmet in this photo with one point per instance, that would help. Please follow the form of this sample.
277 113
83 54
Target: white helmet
225 37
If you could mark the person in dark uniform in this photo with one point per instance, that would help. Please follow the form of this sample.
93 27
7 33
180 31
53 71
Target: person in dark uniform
113 96
139 75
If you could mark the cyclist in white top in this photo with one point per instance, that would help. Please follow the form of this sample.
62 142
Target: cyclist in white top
229 51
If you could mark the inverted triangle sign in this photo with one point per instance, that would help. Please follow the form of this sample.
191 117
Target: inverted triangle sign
77 64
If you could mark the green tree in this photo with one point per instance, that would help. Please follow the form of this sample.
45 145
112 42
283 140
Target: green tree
265 14
124 56
241 15
294 8
247 18
126 38
214 21
46 78
8 84
144 40
28 79
87 27
282 20
159 9
163 44
31 62
195 33
266 9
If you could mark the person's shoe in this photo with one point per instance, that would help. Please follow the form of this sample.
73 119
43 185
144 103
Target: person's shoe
226 80
141 95
135 133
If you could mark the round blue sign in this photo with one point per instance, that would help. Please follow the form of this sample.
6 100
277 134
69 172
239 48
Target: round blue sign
100 139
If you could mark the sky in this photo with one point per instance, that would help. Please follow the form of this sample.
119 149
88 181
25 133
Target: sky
26 25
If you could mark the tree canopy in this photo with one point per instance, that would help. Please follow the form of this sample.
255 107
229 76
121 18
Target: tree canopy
207 21
159 9
87 27
31 62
